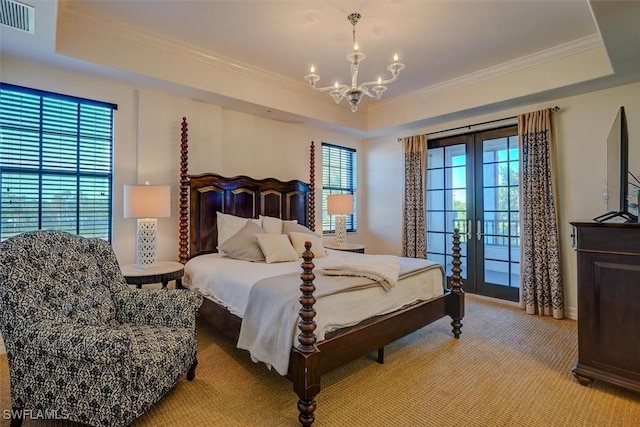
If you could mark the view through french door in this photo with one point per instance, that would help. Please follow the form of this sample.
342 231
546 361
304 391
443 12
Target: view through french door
473 185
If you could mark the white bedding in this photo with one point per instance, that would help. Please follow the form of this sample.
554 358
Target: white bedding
228 282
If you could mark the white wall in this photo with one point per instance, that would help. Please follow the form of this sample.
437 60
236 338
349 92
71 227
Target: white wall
147 132
582 126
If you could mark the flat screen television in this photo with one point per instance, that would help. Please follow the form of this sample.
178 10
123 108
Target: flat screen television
618 171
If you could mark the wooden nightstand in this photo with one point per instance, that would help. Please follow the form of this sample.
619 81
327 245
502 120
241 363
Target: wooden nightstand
349 247
163 272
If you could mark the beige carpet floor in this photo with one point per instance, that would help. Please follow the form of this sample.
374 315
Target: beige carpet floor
508 369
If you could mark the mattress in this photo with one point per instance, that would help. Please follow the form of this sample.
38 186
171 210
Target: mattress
228 282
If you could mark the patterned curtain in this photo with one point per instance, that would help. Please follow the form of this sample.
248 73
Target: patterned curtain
541 289
415 172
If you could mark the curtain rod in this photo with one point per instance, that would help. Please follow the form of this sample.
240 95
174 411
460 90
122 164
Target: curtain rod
554 109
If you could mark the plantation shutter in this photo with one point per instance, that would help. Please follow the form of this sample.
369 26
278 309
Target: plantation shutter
339 166
55 163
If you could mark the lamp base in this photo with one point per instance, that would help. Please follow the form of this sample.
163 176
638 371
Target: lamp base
341 230
146 243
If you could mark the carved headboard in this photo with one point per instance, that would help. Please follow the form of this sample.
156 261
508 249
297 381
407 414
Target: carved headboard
201 196
241 196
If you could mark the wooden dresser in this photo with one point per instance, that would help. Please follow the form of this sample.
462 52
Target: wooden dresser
608 303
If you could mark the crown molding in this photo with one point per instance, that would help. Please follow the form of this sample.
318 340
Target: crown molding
110 28
554 53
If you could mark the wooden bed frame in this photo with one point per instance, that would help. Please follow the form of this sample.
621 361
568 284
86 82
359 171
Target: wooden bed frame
206 194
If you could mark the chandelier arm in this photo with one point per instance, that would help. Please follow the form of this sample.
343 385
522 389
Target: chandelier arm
367 92
393 78
341 88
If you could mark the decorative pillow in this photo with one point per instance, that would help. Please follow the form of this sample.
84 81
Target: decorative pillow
244 244
276 247
228 225
273 225
298 240
288 227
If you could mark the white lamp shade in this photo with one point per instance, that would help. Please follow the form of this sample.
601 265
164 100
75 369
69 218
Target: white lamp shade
147 201
340 204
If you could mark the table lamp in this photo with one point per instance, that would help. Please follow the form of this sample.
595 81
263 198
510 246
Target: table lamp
340 205
147 203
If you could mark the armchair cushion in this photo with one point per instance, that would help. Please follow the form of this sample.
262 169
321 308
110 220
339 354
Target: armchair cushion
99 344
175 307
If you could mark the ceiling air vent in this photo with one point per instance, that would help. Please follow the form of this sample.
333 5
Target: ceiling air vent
17 15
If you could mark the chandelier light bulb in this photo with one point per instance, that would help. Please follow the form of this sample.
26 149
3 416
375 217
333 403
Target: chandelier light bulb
313 69
354 92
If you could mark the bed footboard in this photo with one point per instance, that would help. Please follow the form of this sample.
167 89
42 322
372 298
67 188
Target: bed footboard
307 363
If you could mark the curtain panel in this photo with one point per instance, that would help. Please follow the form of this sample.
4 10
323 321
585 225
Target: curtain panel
541 288
414 207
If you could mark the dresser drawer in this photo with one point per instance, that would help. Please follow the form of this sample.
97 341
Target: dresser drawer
613 238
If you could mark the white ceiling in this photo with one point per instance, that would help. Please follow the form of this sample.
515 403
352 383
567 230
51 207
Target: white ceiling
439 41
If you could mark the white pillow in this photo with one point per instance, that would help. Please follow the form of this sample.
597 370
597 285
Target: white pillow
298 240
273 225
288 227
276 247
228 225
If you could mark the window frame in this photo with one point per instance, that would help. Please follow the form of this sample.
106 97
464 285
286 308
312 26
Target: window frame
39 126
348 183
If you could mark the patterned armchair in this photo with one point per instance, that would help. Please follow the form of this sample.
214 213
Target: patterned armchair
81 344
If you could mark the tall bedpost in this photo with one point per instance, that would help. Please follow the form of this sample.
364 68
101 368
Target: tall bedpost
457 312
305 358
312 187
183 249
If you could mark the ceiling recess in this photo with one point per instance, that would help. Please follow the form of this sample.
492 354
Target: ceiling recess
17 15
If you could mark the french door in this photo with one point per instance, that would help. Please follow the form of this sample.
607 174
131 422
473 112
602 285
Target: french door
473 185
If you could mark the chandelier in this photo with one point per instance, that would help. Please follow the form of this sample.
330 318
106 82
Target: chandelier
355 91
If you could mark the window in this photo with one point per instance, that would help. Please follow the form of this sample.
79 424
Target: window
339 168
55 163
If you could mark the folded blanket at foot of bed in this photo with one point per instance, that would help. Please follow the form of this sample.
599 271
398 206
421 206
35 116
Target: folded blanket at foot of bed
383 269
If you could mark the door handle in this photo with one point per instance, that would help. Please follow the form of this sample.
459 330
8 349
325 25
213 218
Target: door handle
479 232
470 230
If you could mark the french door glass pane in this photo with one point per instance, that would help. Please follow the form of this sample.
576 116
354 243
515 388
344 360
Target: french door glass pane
436 242
496 272
436 221
435 200
435 179
446 202
501 198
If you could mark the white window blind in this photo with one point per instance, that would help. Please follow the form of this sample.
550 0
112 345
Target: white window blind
339 170
55 163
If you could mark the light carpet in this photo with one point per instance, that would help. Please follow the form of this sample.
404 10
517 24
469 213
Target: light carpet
507 369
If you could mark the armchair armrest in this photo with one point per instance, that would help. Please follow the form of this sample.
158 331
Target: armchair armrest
167 307
99 344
